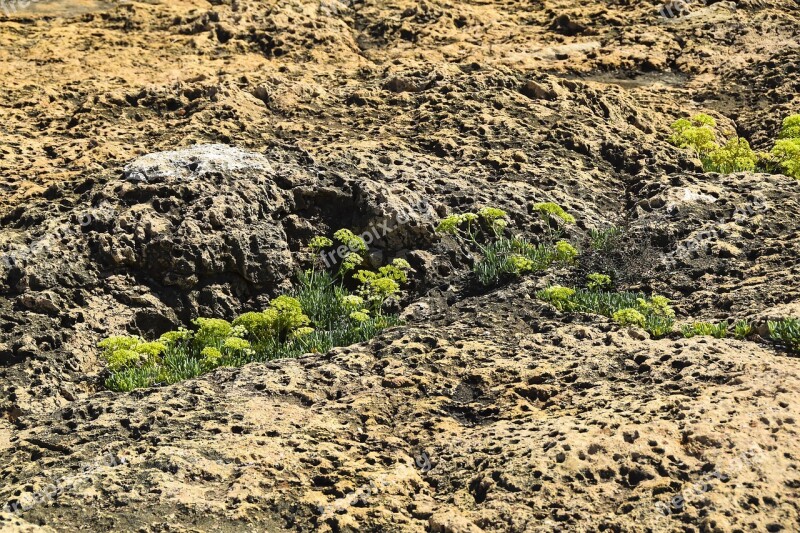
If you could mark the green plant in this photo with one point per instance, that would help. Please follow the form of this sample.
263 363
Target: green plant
499 256
718 331
735 156
598 281
742 329
513 256
629 317
785 332
550 211
659 326
320 313
786 154
790 129
696 134
565 252
558 296
603 240
654 314
488 222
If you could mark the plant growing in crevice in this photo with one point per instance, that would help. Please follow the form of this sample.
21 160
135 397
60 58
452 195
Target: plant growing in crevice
718 331
698 134
501 256
604 240
325 309
785 332
654 314
742 329
785 155
597 282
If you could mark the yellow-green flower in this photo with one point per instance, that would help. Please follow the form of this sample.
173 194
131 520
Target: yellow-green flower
351 240
658 305
318 243
790 128
786 153
351 261
211 330
119 342
629 317
560 297
122 359
598 281
151 350
392 272
449 224
235 344
402 264
302 332
352 301
549 209
171 338
565 252
211 358
696 134
499 225
519 263
491 213
359 316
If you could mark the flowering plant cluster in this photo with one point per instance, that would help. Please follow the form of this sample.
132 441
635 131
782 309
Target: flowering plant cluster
501 256
320 313
699 135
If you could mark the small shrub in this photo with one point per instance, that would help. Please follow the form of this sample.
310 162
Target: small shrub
790 128
786 154
785 332
735 156
696 134
718 331
558 296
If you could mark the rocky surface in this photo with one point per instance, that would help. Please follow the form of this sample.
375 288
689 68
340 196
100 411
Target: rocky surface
164 160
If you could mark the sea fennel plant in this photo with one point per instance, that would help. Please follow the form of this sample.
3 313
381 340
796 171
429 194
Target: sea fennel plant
501 256
325 309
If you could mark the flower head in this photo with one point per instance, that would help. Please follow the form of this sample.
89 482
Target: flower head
319 243
598 281
548 210
351 261
359 316
302 332
235 344
629 317
351 240
121 359
352 301
565 252
490 214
